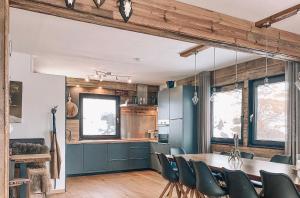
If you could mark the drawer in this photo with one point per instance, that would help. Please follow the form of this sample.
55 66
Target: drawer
118 151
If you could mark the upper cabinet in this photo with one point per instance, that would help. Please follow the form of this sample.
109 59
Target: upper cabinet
164 105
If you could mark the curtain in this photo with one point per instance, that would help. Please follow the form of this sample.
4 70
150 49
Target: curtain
204 119
293 111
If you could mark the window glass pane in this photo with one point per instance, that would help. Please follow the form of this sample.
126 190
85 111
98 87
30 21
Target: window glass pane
227 109
271 113
99 116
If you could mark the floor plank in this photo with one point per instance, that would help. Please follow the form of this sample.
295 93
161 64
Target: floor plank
138 184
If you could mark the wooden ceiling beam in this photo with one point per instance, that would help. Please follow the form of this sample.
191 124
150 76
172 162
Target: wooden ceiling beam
193 50
176 20
268 21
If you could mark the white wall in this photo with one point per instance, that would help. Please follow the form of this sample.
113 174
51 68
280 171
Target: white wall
40 93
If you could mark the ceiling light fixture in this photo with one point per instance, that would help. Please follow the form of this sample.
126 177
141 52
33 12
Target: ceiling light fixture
101 76
195 99
214 90
87 79
70 3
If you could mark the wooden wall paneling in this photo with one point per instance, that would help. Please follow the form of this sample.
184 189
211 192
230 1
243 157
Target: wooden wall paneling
250 70
176 20
4 98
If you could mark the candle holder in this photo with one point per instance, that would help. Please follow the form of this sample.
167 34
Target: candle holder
235 154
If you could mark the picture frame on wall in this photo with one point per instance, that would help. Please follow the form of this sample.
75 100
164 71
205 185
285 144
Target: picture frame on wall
15 101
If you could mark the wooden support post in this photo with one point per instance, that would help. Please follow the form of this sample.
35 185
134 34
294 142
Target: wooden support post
4 100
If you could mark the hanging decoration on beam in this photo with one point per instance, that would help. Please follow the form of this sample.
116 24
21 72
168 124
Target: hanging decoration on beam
70 3
125 8
99 3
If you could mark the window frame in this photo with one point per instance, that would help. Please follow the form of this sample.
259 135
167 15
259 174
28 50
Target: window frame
228 141
252 141
118 119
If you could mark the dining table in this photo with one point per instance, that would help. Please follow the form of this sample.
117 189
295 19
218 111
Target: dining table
251 167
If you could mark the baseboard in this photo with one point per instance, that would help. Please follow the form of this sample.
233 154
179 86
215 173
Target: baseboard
56 191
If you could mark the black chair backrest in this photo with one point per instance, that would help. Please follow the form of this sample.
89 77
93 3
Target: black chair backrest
239 185
205 181
177 151
186 174
278 185
167 170
225 153
247 155
283 159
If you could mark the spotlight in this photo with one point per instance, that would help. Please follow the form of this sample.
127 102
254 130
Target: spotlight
129 80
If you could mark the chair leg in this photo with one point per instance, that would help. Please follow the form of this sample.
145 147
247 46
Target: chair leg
186 193
192 193
165 190
178 190
171 190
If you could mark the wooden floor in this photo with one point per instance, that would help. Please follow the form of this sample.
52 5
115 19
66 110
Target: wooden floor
139 184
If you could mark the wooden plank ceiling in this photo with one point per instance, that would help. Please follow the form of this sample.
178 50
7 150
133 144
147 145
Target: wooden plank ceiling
176 20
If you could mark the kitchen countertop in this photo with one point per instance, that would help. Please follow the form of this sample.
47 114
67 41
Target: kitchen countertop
113 141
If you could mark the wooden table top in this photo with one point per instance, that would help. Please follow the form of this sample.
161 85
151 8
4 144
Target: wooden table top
250 167
31 158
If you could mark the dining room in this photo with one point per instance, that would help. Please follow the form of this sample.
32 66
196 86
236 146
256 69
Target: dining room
149 99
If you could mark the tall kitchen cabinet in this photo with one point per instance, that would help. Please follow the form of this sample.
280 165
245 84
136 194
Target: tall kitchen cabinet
182 117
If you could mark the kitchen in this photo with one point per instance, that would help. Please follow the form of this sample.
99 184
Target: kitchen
116 98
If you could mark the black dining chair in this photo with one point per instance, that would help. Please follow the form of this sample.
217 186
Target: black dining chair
170 175
247 155
206 184
283 159
186 177
278 185
177 151
239 185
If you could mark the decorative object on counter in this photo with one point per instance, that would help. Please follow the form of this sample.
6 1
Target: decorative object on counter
235 154
99 3
125 8
170 84
15 101
195 99
101 76
214 90
297 83
70 3
55 163
72 109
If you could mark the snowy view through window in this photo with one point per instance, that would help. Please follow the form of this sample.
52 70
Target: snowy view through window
271 116
99 117
227 108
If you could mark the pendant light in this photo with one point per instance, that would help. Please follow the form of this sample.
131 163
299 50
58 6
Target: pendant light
266 80
195 99
236 85
70 3
214 90
297 83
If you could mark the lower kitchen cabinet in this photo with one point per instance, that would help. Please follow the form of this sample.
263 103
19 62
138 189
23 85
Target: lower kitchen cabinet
156 147
108 157
74 159
95 158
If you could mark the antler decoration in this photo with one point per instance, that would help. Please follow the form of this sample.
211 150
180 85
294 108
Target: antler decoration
71 3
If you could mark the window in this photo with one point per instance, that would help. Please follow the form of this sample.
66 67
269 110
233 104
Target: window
99 116
226 115
268 112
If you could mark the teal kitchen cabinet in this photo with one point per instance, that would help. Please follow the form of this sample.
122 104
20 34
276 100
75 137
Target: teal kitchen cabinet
95 158
118 156
74 159
107 157
156 147
139 155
